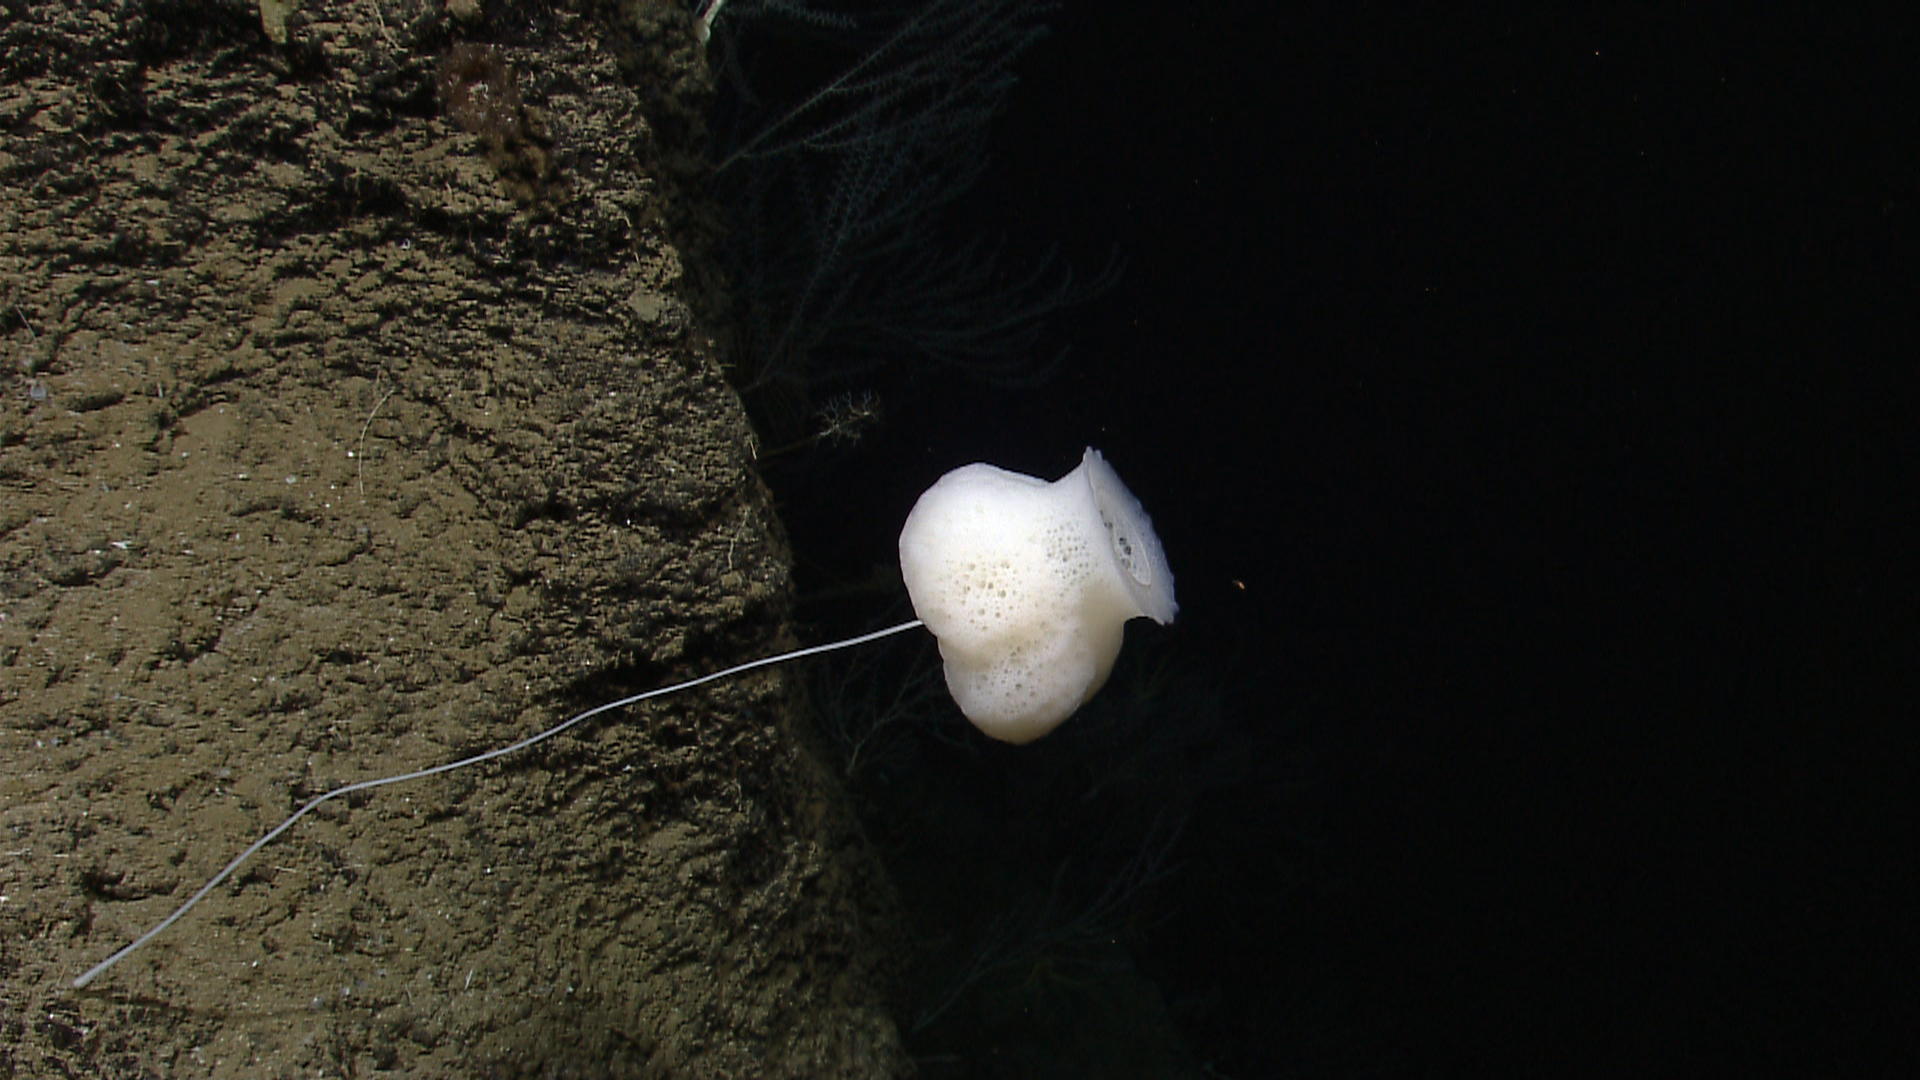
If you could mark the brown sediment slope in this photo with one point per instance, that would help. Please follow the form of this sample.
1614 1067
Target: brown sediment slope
343 432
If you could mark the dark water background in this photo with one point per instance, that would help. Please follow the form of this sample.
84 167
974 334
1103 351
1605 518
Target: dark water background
1523 402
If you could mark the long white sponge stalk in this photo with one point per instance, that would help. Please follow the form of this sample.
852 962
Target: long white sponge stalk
96 970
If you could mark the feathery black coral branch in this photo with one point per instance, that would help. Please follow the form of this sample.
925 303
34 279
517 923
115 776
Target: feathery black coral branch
839 256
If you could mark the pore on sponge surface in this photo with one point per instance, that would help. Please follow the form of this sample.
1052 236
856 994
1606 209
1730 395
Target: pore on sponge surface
1027 586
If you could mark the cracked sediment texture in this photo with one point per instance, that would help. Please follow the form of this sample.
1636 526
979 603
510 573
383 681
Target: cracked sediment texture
336 440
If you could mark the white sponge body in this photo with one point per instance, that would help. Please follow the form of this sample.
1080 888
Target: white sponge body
1027 585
